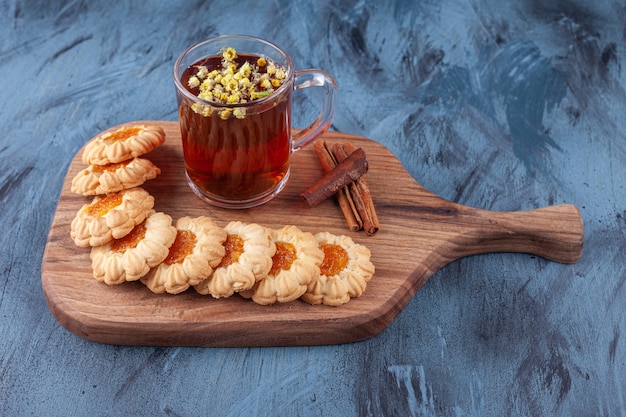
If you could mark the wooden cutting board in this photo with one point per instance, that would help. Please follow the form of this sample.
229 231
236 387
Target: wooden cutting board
420 233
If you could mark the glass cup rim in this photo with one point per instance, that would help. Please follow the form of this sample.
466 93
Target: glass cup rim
258 102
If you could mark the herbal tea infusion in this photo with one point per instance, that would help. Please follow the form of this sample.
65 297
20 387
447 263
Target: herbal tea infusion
229 152
232 79
234 104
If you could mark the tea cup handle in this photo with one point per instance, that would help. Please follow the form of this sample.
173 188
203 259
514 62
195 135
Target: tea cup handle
316 78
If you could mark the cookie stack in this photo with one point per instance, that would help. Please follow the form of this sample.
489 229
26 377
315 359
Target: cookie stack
130 241
113 162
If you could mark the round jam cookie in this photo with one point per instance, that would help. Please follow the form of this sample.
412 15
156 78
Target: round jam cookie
198 249
247 259
125 143
114 177
110 217
294 265
131 257
345 271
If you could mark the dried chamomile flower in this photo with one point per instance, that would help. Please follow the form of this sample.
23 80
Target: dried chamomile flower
110 217
202 109
236 81
110 178
294 265
240 112
225 114
229 54
345 271
124 143
247 259
198 249
193 82
131 257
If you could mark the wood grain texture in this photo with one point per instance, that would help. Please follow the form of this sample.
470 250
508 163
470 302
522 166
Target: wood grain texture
420 233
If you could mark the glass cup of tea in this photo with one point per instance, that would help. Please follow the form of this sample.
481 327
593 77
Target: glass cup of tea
234 97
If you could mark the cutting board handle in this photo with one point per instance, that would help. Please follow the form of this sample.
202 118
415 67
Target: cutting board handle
555 233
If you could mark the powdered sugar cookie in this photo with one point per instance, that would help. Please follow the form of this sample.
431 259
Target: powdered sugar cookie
248 259
110 178
124 143
345 271
110 217
131 257
198 249
294 265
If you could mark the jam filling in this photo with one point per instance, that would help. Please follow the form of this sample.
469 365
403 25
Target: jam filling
131 240
283 258
182 247
121 135
335 259
234 249
109 167
104 205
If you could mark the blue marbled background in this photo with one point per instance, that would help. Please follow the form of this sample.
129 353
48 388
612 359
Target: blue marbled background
502 105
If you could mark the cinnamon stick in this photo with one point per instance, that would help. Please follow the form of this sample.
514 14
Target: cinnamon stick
366 196
364 213
354 198
346 172
328 162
